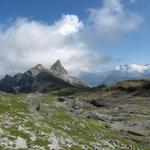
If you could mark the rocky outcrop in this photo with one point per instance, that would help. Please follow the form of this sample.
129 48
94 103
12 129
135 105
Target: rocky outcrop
97 103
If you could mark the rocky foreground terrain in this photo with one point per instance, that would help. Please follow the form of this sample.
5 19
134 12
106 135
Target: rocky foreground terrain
103 118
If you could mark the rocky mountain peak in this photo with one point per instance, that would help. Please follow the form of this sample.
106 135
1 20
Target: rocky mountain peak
38 67
58 69
35 70
57 63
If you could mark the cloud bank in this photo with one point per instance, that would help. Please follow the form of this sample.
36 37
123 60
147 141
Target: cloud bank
133 68
26 43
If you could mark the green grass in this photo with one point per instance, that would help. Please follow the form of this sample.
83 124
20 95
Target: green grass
41 142
12 103
15 132
60 121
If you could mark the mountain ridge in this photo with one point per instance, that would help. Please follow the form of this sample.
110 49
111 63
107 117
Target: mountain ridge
39 79
119 73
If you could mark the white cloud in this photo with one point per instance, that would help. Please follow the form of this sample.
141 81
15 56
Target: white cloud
26 43
69 24
110 20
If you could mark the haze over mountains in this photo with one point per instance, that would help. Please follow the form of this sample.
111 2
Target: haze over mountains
120 73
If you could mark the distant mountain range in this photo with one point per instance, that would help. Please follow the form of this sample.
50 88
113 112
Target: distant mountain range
127 72
120 73
39 79
93 79
42 79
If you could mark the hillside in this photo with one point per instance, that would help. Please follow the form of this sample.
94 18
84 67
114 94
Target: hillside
103 118
125 107
132 87
45 121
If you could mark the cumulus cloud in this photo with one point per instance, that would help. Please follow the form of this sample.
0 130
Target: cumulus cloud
69 24
110 20
26 43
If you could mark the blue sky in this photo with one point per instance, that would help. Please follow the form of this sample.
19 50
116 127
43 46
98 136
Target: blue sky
114 32
47 10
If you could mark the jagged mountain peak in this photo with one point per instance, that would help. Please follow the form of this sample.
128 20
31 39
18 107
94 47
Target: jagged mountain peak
35 70
37 67
58 62
58 69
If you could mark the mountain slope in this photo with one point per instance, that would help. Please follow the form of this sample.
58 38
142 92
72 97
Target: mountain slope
106 118
36 79
124 107
124 89
54 125
59 71
133 87
40 79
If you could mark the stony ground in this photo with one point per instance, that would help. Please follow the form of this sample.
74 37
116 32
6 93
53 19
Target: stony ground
51 122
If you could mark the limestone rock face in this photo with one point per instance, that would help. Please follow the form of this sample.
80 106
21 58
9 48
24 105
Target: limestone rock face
59 71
